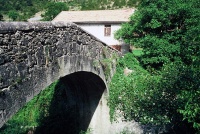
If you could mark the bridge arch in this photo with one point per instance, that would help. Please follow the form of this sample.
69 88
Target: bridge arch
33 55
74 103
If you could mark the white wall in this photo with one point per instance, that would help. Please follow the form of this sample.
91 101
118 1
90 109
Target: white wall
98 31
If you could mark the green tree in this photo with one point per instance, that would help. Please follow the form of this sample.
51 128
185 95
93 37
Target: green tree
166 30
13 15
53 9
167 98
169 34
25 8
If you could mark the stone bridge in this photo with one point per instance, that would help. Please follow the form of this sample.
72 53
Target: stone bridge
33 55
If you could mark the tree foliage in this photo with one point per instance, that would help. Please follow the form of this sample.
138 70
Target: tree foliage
25 8
166 30
169 34
166 98
107 4
13 15
53 9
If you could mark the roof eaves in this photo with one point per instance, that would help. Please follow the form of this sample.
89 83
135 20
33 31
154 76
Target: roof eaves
99 22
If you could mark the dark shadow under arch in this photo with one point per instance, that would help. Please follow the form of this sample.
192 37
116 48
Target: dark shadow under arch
74 102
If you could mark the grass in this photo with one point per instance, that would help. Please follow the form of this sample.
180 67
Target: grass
29 117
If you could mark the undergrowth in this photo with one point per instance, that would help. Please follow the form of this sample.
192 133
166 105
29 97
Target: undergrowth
30 116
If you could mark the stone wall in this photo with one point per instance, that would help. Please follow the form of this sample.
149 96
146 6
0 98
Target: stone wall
33 55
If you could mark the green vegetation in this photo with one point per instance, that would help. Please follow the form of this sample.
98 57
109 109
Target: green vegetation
164 87
107 4
89 130
30 116
54 110
13 15
165 30
137 52
25 9
52 9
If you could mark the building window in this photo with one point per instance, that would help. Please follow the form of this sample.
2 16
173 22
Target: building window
107 30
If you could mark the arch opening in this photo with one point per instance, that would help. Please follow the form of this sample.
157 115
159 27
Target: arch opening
73 103
75 100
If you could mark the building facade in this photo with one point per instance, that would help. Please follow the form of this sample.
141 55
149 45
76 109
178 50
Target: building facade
100 23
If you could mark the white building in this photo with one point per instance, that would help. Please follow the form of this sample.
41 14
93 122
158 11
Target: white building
100 23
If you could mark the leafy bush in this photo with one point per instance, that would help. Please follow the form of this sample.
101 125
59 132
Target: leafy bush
121 86
168 33
28 8
13 15
166 30
53 9
166 98
24 8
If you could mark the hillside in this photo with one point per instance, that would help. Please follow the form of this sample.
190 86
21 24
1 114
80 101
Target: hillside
102 4
20 10
15 10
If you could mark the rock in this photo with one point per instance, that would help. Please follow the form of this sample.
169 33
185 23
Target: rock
127 71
